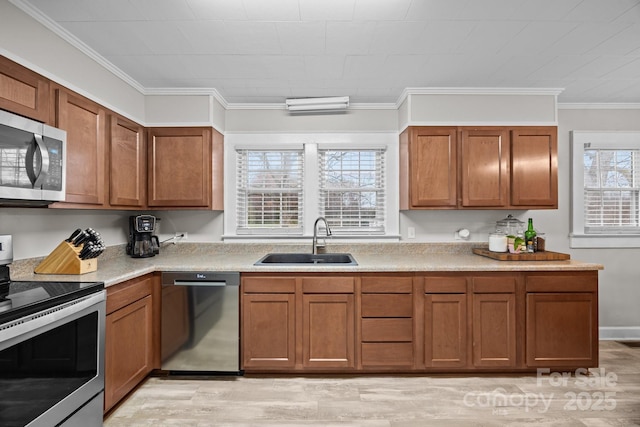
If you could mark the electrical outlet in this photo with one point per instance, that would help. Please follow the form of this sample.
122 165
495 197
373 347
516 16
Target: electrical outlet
411 232
180 235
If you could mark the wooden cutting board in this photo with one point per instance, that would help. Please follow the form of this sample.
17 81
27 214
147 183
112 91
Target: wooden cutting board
536 256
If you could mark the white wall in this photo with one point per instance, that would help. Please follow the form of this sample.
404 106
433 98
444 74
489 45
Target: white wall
37 231
620 280
459 108
274 120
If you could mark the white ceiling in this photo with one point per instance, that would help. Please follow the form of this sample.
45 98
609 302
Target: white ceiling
263 51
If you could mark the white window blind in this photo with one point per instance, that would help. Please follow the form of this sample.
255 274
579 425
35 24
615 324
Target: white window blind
269 191
611 190
352 190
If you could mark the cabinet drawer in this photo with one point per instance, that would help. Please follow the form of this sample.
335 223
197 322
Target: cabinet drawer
387 354
263 285
387 285
387 305
563 282
445 285
387 330
125 293
494 285
328 285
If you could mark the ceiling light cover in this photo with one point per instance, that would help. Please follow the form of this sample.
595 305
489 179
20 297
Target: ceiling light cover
336 103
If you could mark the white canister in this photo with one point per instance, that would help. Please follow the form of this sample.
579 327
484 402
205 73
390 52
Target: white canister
497 242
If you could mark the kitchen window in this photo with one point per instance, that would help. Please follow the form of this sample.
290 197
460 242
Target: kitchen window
270 191
606 189
352 190
276 185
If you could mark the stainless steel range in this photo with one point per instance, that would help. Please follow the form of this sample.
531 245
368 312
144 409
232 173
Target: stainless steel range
51 352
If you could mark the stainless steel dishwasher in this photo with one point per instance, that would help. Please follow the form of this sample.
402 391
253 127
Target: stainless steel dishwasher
200 323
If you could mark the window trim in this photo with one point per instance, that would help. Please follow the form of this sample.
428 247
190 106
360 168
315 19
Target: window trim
311 143
578 238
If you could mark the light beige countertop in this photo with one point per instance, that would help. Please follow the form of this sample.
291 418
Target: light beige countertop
114 266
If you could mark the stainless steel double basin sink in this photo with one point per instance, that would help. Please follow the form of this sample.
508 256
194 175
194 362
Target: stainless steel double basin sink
306 258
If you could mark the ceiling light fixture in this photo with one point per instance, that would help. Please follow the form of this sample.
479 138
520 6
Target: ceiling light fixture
336 103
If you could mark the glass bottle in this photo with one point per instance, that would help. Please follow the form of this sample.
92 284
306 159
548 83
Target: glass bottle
530 236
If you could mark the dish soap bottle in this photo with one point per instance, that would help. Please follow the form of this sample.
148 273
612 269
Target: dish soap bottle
530 237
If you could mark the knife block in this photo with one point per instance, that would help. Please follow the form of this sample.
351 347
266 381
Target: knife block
65 259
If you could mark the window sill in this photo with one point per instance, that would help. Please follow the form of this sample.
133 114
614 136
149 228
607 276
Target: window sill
298 239
585 241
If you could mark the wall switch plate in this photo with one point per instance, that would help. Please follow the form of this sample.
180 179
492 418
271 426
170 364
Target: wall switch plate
411 232
6 249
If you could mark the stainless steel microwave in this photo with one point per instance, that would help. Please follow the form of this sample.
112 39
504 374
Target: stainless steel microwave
32 161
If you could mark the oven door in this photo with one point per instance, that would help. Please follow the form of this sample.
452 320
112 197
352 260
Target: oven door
52 364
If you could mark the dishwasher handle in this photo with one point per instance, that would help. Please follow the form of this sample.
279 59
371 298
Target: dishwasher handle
200 283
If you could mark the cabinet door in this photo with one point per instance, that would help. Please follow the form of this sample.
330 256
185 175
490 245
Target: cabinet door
494 330
128 163
85 124
328 331
268 331
562 330
485 172
445 330
534 167
433 167
179 167
23 92
129 352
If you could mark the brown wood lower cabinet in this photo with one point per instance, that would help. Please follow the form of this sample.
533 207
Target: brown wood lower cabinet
419 322
328 327
131 341
494 321
268 328
445 322
562 320
268 331
386 325
292 322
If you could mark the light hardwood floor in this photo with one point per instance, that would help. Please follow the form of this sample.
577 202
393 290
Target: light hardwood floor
609 396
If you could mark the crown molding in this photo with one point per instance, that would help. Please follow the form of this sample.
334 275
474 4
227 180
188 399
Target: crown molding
177 91
75 42
598 106
477 91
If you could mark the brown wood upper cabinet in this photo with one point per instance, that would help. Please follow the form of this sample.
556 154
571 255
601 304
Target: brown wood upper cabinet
485 167
429 160
128 163
85 123
23 92
534 167
478 168
185 168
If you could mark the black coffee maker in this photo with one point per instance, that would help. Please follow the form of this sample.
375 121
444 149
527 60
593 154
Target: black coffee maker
142 242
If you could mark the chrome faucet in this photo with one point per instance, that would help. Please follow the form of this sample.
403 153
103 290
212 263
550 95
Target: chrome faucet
314 249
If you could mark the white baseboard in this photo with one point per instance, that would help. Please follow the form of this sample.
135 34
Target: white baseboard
624 333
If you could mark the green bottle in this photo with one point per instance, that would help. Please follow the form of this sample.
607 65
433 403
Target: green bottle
530 237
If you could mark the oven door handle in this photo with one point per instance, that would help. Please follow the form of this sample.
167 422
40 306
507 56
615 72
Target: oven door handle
218 284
